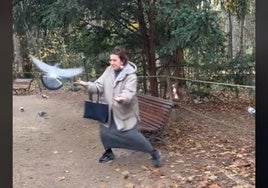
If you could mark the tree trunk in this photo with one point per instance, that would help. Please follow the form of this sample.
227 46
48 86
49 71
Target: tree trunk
242 48
177 69
27 65
230 37
17 64
148 38
144 70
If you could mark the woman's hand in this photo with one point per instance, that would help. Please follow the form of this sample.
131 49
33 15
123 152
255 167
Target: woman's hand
119 99
80 82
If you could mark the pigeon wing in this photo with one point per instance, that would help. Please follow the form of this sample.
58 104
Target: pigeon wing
41 65
68 73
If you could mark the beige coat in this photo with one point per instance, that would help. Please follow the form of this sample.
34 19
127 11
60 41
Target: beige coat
126 114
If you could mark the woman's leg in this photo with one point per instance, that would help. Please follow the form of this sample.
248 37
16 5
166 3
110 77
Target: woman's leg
105 137
132 139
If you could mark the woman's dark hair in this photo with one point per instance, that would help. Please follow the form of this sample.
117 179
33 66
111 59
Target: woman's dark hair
121 52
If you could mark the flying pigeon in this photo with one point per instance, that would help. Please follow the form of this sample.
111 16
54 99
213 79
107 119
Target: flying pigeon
251 110
53 74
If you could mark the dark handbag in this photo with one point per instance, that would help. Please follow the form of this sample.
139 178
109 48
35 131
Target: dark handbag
96 110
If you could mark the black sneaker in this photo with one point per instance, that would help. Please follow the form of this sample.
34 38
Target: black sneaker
156 159
107 156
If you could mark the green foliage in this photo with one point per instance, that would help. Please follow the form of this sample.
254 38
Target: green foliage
60 14
240 70
71 31
196 30
23 15
239 8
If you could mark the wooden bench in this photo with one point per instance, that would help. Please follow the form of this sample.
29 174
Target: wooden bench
21 85
154 114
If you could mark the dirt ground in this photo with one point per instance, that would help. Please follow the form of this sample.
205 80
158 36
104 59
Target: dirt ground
61 149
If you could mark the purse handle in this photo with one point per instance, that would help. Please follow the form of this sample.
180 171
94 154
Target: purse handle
91 96
98 97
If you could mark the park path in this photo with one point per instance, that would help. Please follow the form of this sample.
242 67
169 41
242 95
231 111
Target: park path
61 149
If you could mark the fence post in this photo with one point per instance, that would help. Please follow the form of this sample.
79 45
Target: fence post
169 87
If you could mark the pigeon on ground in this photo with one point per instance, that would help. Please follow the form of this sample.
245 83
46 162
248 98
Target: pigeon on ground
53 74
251 110
42 114
45 96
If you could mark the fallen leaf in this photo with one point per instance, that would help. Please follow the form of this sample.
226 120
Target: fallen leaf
213 177
103 186
125 174
117 169
61 178
214 186
129 185
238 186
144 167
204 183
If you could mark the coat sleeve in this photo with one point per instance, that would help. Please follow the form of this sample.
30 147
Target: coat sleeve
97 84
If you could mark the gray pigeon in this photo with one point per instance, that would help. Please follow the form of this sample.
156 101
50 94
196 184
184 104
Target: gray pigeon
42 114
53 74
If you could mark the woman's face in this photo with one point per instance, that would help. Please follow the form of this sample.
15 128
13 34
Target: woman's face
115 62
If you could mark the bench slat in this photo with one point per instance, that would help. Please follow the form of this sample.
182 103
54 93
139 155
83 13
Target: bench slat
152 110
21 85
153 107
152 117
154 114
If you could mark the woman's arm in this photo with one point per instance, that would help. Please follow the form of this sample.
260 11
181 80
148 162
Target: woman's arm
129 90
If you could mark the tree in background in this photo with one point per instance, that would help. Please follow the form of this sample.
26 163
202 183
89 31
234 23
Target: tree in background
163 36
